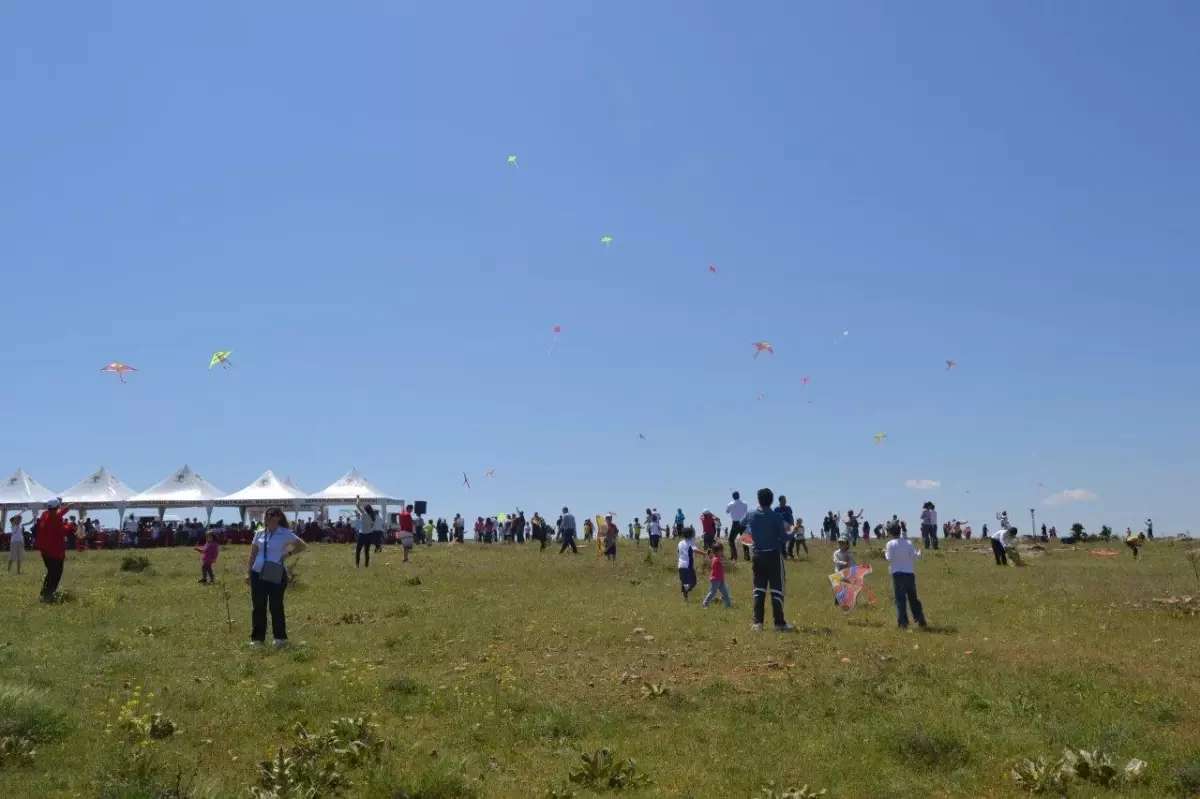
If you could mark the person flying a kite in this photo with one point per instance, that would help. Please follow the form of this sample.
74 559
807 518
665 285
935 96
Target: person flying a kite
220 357
119 369
762 346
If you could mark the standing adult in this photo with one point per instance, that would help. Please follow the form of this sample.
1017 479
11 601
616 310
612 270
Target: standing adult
51 541
16 545
737 511
653 528
366 531
766 529
929 526
267 576
708 528
567 528
406 523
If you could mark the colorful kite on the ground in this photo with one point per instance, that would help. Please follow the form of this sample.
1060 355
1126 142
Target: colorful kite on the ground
490 473
1103 553
466 481
950 365
880 438
804 381
847 584
712 268
606 240
512 159
762 346
119 369
220 357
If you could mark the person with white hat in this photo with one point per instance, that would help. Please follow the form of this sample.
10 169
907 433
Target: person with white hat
51 541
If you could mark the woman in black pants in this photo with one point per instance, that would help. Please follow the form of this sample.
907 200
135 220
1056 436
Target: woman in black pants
366 532
267 576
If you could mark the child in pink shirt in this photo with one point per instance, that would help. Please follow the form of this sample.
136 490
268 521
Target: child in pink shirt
208 556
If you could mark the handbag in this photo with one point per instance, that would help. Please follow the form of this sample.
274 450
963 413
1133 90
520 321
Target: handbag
272 572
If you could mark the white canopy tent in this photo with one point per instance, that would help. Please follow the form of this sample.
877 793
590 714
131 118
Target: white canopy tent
349 487
267 490
21 491
183 489
100 491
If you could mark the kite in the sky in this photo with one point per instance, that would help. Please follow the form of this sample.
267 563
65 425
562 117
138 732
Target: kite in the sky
606 240
762 346
760 396
642 436
119 369
804 381
220 357
512 159
950 365
490 473
466 481
880 438
712 268
847 584
557 329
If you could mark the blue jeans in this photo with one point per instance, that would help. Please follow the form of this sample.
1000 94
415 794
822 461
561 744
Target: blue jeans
904 589
714 587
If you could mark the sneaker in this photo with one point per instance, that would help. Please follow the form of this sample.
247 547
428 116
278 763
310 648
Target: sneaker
784 628
280 643
256 643
756 627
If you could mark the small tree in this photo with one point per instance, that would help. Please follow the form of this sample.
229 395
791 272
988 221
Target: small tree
1077 531
1106 532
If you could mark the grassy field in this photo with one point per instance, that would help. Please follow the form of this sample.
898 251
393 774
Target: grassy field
488 670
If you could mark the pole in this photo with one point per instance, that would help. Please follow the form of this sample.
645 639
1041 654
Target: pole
1032 524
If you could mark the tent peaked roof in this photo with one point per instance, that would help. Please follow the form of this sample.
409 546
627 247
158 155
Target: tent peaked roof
267 489
352 484
183 489
287 481
102 488
20 491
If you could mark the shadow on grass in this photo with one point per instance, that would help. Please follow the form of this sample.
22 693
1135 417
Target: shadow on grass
940 629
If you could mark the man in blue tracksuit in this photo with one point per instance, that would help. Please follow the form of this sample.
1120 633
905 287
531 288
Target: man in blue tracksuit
767 530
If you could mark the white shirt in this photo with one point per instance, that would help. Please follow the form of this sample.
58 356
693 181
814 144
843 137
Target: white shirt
655 528
901 556
686 547
18 537
1004 537
737 510
130 525
929 517
272 546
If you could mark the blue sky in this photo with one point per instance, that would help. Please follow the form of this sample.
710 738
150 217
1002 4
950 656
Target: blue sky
323 189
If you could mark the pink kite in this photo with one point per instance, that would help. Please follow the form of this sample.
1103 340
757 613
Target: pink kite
119 369
762 346
712 268
804 381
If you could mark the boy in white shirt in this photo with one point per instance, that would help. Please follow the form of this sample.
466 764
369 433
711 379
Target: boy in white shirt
902 562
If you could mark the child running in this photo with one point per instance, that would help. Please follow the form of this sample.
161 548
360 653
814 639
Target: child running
717 576
687 561
843 558
902 563
208 556
637 532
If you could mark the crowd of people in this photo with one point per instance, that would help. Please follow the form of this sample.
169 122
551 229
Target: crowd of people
766 536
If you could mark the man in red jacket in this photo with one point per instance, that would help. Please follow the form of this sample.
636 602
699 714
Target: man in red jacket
51 541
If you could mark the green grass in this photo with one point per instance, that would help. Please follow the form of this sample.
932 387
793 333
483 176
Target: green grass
493 674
